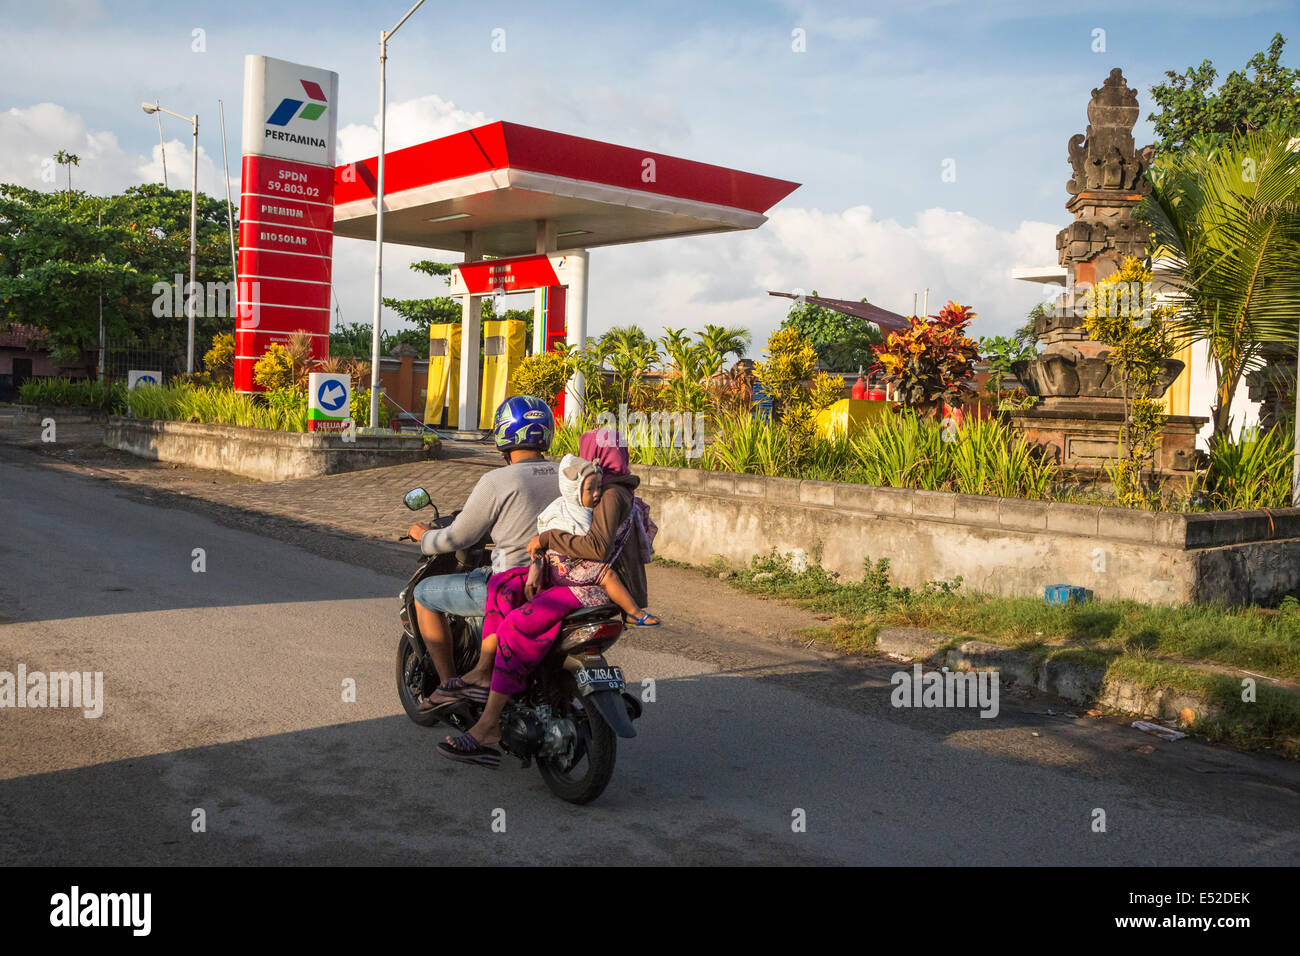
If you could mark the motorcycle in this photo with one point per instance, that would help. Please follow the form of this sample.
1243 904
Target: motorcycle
574 708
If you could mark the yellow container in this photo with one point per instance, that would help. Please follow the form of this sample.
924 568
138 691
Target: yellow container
849 416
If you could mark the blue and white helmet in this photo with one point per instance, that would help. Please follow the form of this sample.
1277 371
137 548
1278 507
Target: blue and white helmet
523 421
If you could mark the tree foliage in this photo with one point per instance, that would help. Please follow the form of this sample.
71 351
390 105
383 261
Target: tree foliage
1191 107
57 258
1226 224
843 342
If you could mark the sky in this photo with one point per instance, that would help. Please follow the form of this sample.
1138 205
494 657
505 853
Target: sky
882 101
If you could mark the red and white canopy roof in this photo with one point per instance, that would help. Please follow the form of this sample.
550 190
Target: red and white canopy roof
499 180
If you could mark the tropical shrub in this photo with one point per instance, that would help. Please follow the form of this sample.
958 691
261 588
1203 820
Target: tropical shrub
360 409
982 457
904 451
1120 315
747 444
798 390
157 402
274 370
220 359
732 391
688 366
930 363
542 375
1001 352
1252 472
282 409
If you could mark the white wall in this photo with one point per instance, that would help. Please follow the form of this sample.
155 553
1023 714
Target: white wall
1245 413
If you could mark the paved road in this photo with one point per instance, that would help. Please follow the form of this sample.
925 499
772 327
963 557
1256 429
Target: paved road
224 693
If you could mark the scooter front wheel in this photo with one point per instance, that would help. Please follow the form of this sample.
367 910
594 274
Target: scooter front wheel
414 678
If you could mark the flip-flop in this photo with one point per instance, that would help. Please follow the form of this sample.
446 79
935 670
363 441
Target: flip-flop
641 621
427 706
465 749
458 688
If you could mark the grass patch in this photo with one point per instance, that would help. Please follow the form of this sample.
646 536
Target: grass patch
1125 640
1271 721
1251 638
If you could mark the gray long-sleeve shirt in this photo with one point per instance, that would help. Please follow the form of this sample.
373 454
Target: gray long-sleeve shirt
505 504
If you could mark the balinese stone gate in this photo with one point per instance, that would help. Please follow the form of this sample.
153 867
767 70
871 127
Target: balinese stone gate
1081 410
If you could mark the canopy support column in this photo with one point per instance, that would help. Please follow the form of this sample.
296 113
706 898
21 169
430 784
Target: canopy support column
576 328
471 307
546 242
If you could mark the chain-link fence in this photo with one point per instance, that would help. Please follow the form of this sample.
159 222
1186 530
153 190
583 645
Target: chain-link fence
122 356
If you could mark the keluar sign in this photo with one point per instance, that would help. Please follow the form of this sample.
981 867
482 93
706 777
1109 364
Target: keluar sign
329 402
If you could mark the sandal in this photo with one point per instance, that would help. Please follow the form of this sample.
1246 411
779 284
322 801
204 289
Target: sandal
641 621
458 688
465 749
426 704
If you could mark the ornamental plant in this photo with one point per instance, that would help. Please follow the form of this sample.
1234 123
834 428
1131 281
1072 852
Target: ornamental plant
930 363
798 389
1140 340
542 375
275 369
220 359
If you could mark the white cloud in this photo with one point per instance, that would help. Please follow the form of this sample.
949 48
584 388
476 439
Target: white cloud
409 122
725 279
30 137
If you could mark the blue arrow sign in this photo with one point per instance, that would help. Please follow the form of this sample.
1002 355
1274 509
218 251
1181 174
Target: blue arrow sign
331 396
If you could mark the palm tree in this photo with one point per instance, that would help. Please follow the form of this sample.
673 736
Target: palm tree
1227 243
675 341
624 339
722 342
64 158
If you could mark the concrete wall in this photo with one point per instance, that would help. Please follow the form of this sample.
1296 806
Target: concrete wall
258 452
1002 546
62 414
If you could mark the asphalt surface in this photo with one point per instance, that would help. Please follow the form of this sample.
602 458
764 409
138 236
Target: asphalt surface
224 693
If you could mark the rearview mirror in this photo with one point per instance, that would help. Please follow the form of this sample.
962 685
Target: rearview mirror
416 499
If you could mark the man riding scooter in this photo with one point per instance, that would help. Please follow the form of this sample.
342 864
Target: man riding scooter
503 505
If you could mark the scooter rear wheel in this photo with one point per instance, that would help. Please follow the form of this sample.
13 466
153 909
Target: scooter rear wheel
587 774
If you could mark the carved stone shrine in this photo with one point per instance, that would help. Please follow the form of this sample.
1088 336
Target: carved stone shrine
1080 412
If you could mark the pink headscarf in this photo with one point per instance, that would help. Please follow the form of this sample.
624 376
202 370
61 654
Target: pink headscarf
606 448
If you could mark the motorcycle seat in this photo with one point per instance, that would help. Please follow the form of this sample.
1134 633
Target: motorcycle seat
599 613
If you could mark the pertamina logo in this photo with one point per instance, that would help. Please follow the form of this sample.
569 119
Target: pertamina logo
291 109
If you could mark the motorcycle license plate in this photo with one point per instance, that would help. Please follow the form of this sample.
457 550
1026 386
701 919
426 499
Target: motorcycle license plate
592 679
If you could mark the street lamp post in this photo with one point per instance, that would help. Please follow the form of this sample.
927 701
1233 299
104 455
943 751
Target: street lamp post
379 219
192 289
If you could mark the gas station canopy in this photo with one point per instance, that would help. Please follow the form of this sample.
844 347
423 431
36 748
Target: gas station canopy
499 180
